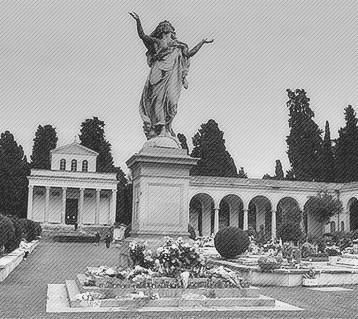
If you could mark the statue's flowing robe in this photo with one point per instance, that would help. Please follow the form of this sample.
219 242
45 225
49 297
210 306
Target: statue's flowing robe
159 101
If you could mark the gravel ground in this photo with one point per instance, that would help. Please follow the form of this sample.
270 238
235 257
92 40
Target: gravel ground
23 293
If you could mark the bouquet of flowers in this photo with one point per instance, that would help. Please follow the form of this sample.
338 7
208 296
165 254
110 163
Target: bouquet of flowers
310 274
177 256
204 241
140 255
333 250
228 275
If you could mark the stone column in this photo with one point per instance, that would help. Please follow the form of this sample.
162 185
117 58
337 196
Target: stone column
98 198
216 220
63 213
273 224
80 213
47 203
29 202
112 214
348 221
246 219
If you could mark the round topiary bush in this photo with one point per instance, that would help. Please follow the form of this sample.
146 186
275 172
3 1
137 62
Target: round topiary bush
231 241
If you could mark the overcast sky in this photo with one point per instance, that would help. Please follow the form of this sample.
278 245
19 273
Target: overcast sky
62 62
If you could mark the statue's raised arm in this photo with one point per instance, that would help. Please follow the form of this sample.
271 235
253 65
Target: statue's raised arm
195 50
148 40
168 59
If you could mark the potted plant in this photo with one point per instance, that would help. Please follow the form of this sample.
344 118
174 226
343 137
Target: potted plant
334 254
310 279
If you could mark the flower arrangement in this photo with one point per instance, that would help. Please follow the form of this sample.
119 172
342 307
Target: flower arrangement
269 263
141 255
310 279
310 274
204 241
333 250
176 264
174 257
170 259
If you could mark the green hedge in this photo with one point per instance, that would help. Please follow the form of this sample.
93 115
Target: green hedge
13 230
7 233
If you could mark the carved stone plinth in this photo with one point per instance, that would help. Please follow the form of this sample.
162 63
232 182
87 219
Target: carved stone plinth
160 190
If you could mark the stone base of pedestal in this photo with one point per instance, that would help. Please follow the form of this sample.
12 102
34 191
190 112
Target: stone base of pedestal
160 191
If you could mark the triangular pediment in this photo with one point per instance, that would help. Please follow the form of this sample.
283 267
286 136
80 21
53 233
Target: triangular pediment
74 148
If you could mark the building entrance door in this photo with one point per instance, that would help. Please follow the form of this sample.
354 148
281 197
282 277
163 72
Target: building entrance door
71 211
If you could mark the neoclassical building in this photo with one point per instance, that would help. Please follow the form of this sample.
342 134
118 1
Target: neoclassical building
72 191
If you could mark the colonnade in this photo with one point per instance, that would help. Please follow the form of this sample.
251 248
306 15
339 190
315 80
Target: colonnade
246 221
81 211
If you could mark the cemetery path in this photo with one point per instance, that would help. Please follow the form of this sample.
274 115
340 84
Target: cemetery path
23 294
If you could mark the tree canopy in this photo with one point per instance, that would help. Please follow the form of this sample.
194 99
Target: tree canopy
326 158
45 140
278 172
209 146
14 170
346 150
323 206
183 142
304 142
92 136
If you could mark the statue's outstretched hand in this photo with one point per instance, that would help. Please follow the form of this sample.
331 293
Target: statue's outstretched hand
208 40
134 16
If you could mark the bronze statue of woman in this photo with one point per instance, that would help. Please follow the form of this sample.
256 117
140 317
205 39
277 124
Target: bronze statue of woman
168 60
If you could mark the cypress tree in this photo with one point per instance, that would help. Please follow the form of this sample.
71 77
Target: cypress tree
45 140
92 136
304 141
279 171
183 142
209 146
14 170
326 158
346 150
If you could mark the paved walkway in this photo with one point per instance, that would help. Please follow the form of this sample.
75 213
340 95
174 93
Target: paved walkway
23 294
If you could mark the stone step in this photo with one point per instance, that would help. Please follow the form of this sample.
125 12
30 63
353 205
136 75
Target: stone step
51 231
189 298
72 292
188 303
57 298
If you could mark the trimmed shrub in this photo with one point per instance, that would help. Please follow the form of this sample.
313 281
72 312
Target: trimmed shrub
7 233
33 229
231 242
20 231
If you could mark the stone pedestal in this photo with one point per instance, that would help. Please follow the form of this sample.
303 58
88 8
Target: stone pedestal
160 174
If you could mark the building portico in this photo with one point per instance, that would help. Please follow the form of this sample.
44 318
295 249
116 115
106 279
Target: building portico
60 196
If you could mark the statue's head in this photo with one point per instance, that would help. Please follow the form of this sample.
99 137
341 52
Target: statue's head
163 27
